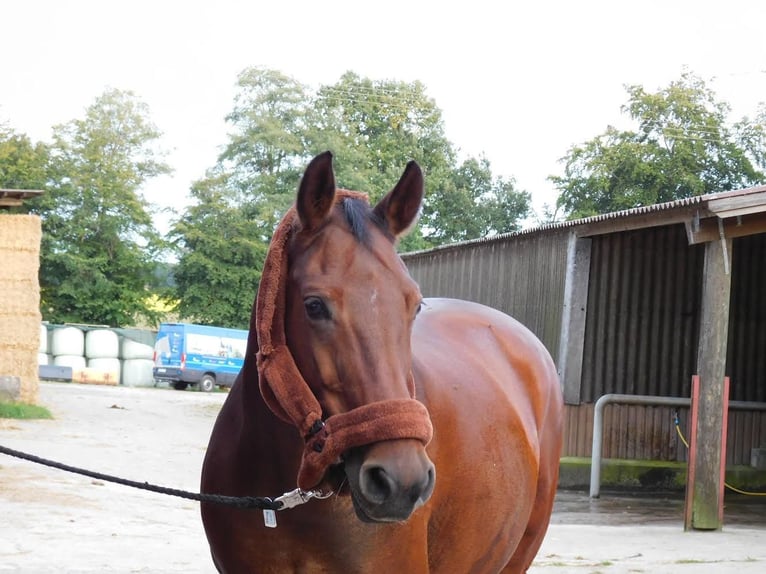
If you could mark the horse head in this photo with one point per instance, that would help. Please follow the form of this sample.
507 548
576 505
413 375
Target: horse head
349 309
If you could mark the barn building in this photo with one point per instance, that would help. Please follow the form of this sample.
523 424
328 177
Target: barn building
636 303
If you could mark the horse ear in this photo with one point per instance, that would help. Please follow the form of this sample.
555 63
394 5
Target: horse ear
401 206
316 192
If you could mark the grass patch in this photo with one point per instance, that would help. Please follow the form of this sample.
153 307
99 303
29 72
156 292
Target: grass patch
23 411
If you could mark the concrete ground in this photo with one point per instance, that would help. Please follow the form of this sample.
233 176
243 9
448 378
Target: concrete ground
53 521
644 534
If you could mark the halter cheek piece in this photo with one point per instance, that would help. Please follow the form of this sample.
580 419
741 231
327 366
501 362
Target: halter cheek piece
288 395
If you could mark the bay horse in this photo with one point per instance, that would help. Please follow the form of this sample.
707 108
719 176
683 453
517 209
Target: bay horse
436 423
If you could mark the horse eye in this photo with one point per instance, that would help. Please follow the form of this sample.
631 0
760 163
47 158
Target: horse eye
419 309
316 309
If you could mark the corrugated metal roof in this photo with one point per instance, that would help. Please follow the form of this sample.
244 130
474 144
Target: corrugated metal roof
700 202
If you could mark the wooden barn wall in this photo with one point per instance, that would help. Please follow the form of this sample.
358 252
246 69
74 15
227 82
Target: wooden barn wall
642 326
641 338
522 276
630 432
640 432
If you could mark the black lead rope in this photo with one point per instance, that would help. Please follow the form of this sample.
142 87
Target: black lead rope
242 502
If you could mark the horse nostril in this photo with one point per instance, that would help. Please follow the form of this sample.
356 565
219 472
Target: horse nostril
376 485
423 490
430 481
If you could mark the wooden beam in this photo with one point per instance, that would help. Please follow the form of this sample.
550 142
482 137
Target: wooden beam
642 221
707 229
739 204
711 366
15 197
573 317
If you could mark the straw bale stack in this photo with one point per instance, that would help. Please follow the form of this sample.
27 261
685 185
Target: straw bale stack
20 300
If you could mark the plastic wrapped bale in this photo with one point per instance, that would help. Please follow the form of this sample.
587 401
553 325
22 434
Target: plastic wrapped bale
20 295
68 341
76 362
43 339
137 373
130 349
101 344
103 371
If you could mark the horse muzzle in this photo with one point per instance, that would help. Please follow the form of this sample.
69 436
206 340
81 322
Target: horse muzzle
389 480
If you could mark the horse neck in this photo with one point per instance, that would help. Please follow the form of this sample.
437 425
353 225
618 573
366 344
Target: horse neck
261 433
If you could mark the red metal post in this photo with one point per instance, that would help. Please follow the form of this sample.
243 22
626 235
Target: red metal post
723 447
692 458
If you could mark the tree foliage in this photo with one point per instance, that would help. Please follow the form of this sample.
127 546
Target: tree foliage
263 158
222 253
23 164
473 203
97 255
374 128
682 146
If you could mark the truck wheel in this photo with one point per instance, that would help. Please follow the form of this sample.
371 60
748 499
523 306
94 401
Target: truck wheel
207 383
179 386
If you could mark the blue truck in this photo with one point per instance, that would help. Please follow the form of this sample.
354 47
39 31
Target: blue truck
187 354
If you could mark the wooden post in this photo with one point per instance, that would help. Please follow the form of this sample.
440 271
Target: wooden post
711 365
573 317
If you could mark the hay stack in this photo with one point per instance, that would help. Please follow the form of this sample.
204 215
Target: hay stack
20 301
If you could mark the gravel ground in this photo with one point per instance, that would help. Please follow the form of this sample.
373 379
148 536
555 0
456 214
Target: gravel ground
53 521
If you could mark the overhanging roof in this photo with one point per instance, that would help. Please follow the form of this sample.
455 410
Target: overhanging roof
741 211
15 197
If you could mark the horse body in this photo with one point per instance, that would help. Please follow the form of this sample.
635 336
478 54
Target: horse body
493 394
488 384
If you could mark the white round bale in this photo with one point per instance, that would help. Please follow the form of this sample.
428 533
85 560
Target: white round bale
130 349
101 344
137 373
109 365
76 362
67 341
43 339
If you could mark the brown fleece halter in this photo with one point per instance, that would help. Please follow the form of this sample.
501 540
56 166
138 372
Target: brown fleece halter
288 395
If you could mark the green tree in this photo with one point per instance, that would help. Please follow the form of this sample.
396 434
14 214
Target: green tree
23 164
222 238
374 128
266 152
222 250
99 244
683 146
473 203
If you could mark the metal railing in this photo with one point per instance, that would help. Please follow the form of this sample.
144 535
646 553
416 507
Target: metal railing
648 400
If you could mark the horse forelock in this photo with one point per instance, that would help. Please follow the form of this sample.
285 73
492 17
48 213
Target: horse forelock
359 215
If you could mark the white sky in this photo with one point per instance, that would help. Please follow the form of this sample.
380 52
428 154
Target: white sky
519 82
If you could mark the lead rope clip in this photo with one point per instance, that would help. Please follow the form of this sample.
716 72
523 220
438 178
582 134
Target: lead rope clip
291 500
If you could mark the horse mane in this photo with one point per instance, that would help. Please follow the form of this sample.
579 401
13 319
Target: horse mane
358 214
